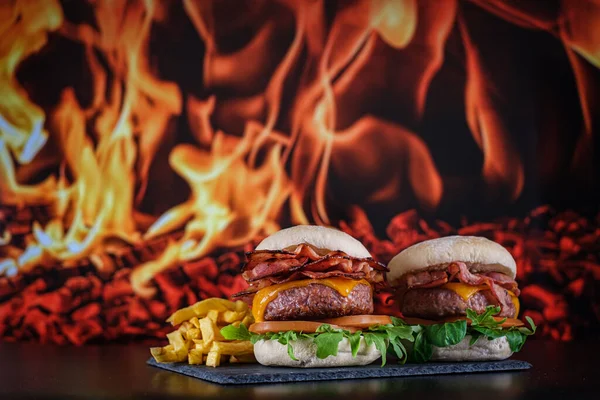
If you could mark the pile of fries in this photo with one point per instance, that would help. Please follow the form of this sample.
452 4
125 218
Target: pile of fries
198 339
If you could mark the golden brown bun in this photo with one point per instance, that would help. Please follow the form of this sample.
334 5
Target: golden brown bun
319 237
480 255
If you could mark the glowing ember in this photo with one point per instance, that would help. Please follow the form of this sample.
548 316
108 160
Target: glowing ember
94 301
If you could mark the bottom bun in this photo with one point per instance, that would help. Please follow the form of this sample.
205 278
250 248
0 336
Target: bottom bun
271 352
482 350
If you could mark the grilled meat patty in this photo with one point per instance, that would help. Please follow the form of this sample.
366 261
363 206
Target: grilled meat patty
435 303
317 301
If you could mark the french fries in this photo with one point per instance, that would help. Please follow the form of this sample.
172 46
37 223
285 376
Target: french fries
198 339
202 308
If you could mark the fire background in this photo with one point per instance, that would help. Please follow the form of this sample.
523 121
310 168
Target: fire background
145 146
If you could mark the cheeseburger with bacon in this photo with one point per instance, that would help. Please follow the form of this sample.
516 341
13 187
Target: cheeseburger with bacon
307 284
459 278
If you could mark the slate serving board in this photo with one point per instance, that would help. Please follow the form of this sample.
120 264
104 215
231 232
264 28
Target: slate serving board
240 374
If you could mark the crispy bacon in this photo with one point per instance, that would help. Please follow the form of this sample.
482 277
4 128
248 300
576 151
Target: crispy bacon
505 281
260 265
458 271
427 279
465 276
268 267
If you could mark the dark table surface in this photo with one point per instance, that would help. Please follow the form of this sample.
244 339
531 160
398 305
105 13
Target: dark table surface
560 370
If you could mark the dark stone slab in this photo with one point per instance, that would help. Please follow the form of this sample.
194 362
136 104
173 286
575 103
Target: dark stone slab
239 374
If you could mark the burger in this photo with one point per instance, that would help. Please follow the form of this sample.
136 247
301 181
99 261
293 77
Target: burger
311 291
461 295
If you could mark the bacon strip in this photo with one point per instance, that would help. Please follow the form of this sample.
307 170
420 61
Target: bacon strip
465 276
505 281
427 279
267 267
260 265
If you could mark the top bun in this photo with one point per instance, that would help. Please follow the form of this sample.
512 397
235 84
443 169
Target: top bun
319 237
480 255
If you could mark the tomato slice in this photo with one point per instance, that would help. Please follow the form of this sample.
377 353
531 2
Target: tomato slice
296 326
359 321
353 323
510 322
418 321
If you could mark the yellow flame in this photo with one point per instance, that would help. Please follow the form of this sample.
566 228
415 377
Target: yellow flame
394 20
99 202
24 28
231 202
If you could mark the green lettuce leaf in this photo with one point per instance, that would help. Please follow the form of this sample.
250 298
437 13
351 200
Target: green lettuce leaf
482 326
392 337
422 349
232 332
379 339
447 334
386 338
355 342
327 344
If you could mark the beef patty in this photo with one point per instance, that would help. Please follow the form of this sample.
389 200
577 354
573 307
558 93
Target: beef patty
438 303
317 301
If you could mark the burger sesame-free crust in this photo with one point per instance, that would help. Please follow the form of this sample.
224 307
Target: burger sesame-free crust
480 255
317 301
319 237
438 303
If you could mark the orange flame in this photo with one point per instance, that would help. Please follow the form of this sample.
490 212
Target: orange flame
579 32
231 203
575 23
500 166
412 162
208 214
394 20
271 159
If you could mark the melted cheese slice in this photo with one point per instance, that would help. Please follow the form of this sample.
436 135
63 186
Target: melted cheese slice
263 297
516 302
463 290
466 291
